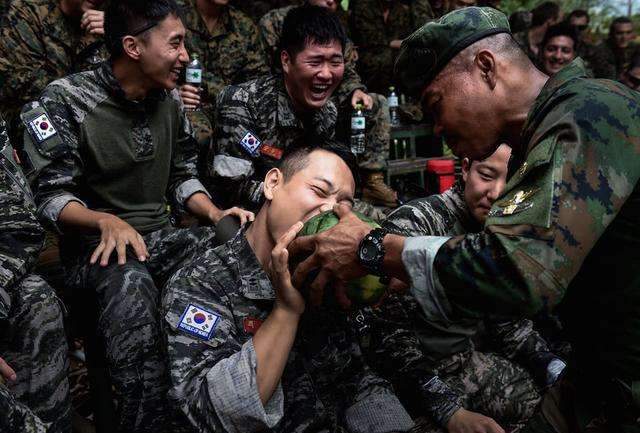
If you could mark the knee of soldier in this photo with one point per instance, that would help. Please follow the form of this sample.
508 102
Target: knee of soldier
35 298
133 348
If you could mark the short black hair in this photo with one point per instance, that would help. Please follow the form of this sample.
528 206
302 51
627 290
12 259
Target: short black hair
131 18
519 21
544 12
305 25
296 157
619 20
579 13
563 29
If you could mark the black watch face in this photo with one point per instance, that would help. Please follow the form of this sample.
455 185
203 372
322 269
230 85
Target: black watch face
369 252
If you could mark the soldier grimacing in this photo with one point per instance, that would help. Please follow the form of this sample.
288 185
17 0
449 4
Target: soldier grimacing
569 210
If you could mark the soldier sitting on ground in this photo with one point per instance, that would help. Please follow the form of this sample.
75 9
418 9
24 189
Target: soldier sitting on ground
108 150
350 92
228 46
33 346
40 41
245 353
452 384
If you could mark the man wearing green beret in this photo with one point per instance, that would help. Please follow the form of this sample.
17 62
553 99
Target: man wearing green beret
564 233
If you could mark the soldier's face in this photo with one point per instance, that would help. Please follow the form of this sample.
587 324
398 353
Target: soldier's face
325 181
484 181
622 34
329 4
312 76
162 53
580 23
557 53
463 108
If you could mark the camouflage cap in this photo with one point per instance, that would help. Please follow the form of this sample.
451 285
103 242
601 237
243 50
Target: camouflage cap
428 50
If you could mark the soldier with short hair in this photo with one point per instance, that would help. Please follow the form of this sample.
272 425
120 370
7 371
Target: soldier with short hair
108 151
245 354
612 57
543 16
41 41
33 346
349 93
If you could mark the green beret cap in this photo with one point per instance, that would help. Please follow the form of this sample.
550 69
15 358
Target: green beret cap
428 50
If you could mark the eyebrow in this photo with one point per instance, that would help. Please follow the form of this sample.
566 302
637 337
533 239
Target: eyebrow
331 187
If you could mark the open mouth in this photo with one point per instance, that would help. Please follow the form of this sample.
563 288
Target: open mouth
175 73
320 91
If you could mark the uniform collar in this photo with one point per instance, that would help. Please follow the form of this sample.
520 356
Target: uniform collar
286 116
254 282
105 74
195 23
550 92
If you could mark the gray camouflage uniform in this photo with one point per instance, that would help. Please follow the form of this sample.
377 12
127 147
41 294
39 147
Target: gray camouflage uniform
32 338
405 345
126 158
325 387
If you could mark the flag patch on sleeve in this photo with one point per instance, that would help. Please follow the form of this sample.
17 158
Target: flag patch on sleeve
42 127
198 322
250 143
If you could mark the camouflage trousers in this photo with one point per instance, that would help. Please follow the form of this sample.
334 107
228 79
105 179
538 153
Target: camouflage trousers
378 132
127 301
490 385
33 343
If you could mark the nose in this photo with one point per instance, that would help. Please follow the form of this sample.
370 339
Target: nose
495 191
184 55
324 72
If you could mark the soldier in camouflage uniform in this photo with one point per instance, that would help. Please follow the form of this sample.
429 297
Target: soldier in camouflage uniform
612 57
530 40
566 219
242 354
350 92
107 154
411 348
230 52
377 28
32 338
39 42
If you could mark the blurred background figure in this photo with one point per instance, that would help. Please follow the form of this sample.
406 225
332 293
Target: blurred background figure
559 48
543 16
613 56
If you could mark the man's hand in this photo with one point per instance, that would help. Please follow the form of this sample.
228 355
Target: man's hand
465 421
335 251
241 214
92 22
190 96
359 97
117 234
288 298
6 372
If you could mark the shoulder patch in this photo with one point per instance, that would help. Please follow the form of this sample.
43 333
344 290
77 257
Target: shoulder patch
41 128
250 143
198 322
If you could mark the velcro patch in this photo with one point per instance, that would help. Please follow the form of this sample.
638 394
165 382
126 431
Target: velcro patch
198 322
250 143
42 128
271 151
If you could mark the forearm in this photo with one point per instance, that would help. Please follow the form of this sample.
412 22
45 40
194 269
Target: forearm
201 206
75 216
272 344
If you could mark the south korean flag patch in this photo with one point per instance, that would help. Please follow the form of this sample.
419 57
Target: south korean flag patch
42 128
198 322
251 144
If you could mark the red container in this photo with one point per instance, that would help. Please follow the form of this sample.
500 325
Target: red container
442 172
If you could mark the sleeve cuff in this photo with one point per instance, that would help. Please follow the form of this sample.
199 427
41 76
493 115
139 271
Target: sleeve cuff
418 256
51 209
188 188
233 390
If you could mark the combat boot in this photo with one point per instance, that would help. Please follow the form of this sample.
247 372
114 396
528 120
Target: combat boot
376 192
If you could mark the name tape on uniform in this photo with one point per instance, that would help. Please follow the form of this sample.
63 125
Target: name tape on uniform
198 322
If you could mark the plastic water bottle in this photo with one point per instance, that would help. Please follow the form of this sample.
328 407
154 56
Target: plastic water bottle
393 107
193 73
358 124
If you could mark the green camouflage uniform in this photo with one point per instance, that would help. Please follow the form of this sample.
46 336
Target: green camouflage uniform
255 123
32 338
39 44
564 233
372 36
126 158
378 129
409 348
231 54
325 386
609 62
566 220
257 8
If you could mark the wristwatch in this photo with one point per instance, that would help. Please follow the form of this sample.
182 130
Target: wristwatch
371 251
